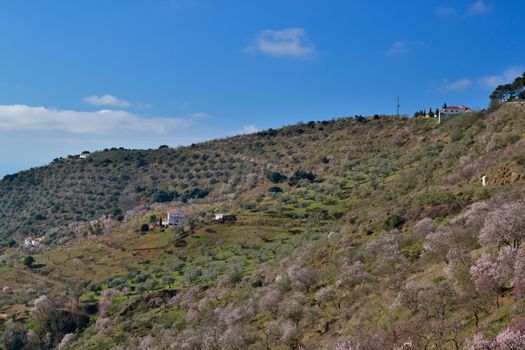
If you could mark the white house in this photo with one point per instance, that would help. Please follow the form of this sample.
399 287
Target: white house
225 217
31 242
85 155
447 113
176 217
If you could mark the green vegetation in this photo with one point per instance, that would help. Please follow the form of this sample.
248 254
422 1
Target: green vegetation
276 177
370 231
29 261
509 92
392 222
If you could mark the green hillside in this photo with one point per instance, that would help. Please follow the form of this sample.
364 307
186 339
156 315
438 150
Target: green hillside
69 190
355 233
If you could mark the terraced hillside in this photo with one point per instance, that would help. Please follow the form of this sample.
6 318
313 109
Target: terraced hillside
68 190
357 233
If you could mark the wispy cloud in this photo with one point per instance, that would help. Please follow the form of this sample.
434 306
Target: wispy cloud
506 77
249 129
400 47
28 118
479 7
484 82
106 100
289 42
457 85
446 11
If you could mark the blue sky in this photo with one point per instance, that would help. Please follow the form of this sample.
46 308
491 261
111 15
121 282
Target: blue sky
86 75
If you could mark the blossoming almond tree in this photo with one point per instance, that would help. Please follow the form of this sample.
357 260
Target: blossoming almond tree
504 226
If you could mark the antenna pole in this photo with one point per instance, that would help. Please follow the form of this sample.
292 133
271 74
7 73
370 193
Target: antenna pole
398 105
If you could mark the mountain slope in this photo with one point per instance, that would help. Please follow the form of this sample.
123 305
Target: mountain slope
69 190
381 236
72 190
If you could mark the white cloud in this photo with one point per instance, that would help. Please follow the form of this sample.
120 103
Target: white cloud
446 11
489 81
289 42
478 8
400 47
106 100
457 85
506 77
200 116
27 118
249 129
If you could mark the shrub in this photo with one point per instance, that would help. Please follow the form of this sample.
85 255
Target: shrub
275 189
40 217
151 284
29 261
212 271
508 139
94 287
140 278
301 175
141 289
191 274
195 193
116 212
392 222
118 283
235 272
13 337
168 280
162 196
178 266
276 177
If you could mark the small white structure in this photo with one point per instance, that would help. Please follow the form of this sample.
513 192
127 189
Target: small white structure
485 181
447 113
225 218
176 217
85 155
31 242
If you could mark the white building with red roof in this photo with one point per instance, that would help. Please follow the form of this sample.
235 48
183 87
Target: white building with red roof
450 112
30 241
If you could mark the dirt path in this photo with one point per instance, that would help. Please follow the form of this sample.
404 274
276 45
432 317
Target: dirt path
37 276
164 247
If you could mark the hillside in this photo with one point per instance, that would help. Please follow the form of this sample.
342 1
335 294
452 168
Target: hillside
69 190
355 233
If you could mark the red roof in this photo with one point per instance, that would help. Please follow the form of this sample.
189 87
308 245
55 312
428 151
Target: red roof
457 107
